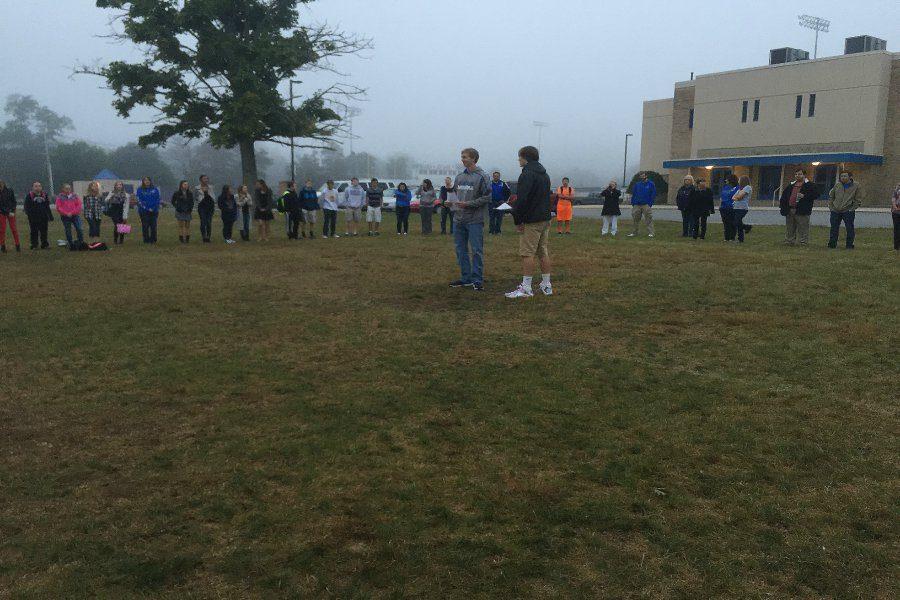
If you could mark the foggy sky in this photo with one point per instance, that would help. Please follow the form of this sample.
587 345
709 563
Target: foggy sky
447 74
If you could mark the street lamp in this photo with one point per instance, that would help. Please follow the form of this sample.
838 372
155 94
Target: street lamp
293 172
540 127
625 165
817 24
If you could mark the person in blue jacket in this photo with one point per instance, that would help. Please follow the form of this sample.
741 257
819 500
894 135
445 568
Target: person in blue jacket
148 200
403 197
309 201
726 206
642 197
500 194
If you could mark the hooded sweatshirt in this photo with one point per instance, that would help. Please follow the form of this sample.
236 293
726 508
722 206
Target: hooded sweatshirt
309 199
533 202
355 196
148 198
474 189
38 207
404 199
330 199
68 205
644 193
7 202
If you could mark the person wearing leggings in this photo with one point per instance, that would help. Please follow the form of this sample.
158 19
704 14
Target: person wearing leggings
403 204
8 215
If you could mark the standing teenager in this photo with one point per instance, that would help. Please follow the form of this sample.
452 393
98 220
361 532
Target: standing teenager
264 206
148 200
740 206
69 207
291 226
701 205
473 190
683 201
500 194
37 209
118 203
206 208
330 207
245 203
374 202
8 215
229 211
354 200
843 200
402 208
293 208
642 199
565 196
427 198
726 206
183 203
611 210
531 213
448 197
796 204
310 202
93 210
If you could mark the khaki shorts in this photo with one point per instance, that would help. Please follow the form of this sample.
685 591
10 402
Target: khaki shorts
309 216
373 214
535 240
354 215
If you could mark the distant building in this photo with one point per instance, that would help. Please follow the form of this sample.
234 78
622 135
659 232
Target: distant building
822 115
436 173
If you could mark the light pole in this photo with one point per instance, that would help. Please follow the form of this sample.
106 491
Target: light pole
625 166
293 171
540 127
49 164
817 24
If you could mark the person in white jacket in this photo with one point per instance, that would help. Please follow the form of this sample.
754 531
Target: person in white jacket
330 203
354 200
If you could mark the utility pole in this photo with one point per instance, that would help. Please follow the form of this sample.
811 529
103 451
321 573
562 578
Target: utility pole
540 127
49 164
817 24
625 166
291 92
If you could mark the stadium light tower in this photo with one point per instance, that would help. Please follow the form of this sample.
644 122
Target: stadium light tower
817 24
540 127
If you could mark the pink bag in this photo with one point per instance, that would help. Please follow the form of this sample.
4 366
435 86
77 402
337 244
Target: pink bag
123 228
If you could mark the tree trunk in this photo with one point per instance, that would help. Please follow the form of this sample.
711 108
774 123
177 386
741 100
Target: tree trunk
248 162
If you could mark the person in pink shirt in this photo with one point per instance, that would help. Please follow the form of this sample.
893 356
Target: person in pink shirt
69 206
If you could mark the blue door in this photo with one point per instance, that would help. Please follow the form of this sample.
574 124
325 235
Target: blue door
769 182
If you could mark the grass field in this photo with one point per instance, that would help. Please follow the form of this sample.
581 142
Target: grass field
328 419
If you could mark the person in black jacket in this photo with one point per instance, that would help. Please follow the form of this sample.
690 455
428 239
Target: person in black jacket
264 206
796 205
229 211
183 203
206 208
531 214
8 215
682 200
701 205
37 209
611 210
293 208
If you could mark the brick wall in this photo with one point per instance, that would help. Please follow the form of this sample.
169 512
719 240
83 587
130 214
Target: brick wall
884 178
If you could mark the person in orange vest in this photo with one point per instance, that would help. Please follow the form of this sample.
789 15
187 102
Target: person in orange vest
565 193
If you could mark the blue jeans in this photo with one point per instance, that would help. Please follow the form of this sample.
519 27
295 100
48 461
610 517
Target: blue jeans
464 236
68 223
836 218
739 214
149 219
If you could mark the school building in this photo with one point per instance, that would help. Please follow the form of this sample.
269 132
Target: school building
824 115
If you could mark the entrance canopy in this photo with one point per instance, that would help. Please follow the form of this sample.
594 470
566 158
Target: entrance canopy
784 159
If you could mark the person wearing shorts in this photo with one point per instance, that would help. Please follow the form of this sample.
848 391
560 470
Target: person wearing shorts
531 214
354 200
374 201
565 194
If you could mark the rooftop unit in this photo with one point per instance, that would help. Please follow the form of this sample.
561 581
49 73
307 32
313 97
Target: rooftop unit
863 43
781 56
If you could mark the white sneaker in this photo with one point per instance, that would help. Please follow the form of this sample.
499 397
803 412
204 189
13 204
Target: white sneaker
649 235
547 289
520 292
632 234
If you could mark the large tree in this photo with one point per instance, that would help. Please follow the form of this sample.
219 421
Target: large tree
30 132
213 69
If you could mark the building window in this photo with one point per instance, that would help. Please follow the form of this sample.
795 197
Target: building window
691 119
798 112
755 110
744 112
812 105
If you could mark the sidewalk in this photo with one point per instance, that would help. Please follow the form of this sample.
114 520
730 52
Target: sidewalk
764 215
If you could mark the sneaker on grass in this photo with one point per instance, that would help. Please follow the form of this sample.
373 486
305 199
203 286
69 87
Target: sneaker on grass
547 289
459 283
520 292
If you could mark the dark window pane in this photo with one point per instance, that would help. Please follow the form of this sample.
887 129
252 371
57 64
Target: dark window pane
799 111
756 110
812 105
744 112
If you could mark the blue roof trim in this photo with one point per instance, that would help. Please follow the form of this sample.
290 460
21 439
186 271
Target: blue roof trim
786 159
